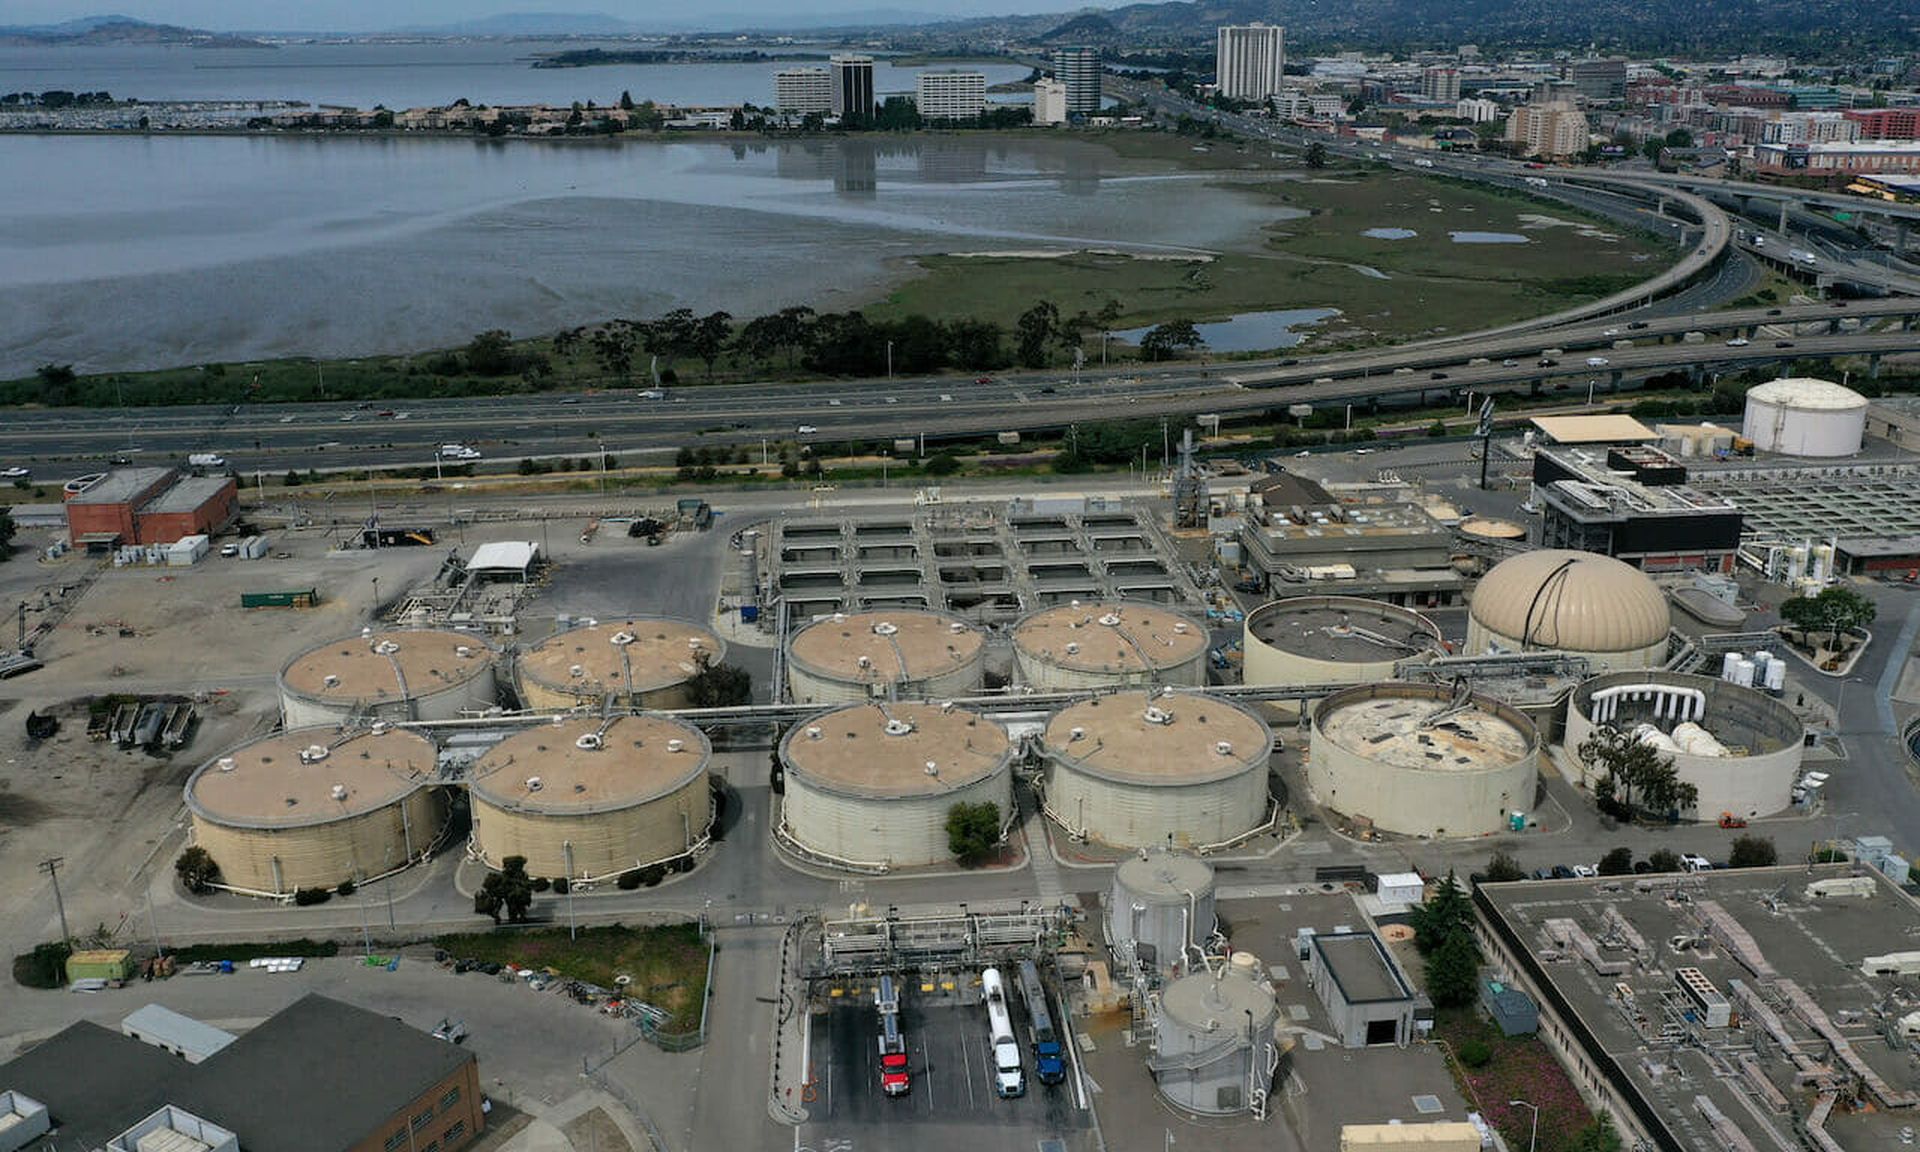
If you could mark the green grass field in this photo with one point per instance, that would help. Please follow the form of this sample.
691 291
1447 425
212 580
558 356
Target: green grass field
667 965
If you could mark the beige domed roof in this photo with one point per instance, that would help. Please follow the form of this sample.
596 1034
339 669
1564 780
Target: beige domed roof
1571 602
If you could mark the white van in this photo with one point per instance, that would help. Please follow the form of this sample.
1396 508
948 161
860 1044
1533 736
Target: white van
1692 863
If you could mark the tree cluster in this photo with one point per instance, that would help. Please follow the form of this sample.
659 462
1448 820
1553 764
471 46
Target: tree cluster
1443 932
972 831
508 892
1635 776
196 870
1835 610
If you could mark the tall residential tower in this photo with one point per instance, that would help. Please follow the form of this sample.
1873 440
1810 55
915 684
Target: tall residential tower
1250 60
1079 70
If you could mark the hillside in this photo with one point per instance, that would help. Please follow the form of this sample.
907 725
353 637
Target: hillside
96 30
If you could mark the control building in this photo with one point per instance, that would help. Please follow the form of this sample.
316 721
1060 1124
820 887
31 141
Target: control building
393 674
901 654
639 662
146 506
869 786
1633 504
1299 539
1739 746
1141 770
1109 644
589 798
1578 603
315 807
1422 759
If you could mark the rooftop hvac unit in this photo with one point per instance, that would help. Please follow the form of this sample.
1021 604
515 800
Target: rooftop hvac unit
897 727
462 650
933 768
1111 620
576 671
1180 627
956 627
1076 733
1223 747
225 763
1156 715
885 628
329 681
676 745
813 732
1072 648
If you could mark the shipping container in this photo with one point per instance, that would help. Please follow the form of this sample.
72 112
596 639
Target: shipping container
294 598
100 964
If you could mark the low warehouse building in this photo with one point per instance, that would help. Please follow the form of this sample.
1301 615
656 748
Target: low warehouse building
315 807
592 798
1333 640
632 663
1741 748
1422 759
1366 996
902 654
397 674
147 506
869 786
1143 770
1108 645
1579 603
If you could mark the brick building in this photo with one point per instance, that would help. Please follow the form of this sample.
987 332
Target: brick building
148 506
1886 123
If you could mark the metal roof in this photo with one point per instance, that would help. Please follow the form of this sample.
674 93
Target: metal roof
188 494
156 1022
504 556
1593 429
121 485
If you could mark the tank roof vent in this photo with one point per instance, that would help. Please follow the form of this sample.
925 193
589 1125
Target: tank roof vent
933 768
813 732
865 661
839 617
386 647
576 671
329 681
622 639
956 627
1111 620
1157 715
1076 733
1223 747
314 753
225 763
534 783
897 727
1180 627
946 706
676 745
885 628
338 791
1073 648
696 642
463 650
589 741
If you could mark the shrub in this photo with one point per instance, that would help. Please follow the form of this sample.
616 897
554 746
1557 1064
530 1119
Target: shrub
541 883
1753 852
308 896
196 869
1475 1053
560 885
629 880
347 888
44 967
1618 862
972 831
652 874
1503 867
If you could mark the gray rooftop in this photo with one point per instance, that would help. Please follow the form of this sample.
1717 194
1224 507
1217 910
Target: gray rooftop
353 1069
156 1022
122 485
187 494
1360 969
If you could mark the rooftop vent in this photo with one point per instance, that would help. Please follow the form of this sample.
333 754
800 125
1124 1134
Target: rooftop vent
885 628
897 727
1072 648
329 681
1180 627
386 648
576 671
338 791
1076 733
933 768
676 745
1111 620
313 753
225 763
956 627
1158 715
534 783
813 732
622 639
589 741
463 650
1223 747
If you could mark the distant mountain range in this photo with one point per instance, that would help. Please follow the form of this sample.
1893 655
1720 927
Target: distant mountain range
601 24
91 30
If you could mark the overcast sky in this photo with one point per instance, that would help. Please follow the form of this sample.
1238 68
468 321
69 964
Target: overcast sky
365 15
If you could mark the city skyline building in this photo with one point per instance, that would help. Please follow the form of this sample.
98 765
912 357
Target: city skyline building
1250 60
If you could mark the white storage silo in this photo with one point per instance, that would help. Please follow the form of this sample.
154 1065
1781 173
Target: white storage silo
1161 910
1214 1050
1804 416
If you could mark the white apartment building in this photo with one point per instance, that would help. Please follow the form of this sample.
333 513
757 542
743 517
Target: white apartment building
1477 110
1440 84
803 90
1552 130
952 95
1810 128
1049 102
1250 60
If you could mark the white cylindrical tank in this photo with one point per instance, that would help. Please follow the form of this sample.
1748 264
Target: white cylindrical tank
315 807
1214 1049
590 798
1161 912
637 662
1146 769
1417 760
1738 747
894 654
392 674
1729 666
1333 640
870 785
1804 416
1108 644
1580 603
1776 677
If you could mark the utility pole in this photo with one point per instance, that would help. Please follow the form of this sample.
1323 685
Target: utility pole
572 931
51 866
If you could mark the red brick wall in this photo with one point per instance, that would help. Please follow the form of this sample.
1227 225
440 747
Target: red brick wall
85 518
166 527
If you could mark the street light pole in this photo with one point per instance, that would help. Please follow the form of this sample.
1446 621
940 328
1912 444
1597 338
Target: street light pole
572 932
889 359
1534 1134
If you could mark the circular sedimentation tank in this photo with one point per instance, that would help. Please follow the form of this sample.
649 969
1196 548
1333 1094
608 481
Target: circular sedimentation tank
906 653
1333 640
1579 603
391 674
316 807
1422 759
1108 644
590 798
636 662
871 785
1137 769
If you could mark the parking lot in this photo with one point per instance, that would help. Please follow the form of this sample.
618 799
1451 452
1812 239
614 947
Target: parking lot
952 1105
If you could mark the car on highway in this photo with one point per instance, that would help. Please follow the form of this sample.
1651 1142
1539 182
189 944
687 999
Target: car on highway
1738 342
1509 363
15 473
1597 361
653 394
1048 390
456 452
1638 324
835 403
983 379
1773 311
1783 343
1436 375
946 397
1611 332
806 430
1548 362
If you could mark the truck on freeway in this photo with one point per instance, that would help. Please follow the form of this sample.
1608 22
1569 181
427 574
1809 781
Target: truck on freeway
1009 1079
1048 1057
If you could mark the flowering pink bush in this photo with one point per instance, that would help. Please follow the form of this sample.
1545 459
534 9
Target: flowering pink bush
1522 1068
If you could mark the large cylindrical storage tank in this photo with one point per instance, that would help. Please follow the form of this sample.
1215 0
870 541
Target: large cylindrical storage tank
1161 909
1145 769
1109 644
1739 747
1804 416
1333 640
590 798
315 807
1421 759
870 785
1214 1049
639 662
394 674
1580 603
906 654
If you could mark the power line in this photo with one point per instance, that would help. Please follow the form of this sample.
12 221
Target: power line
51 866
